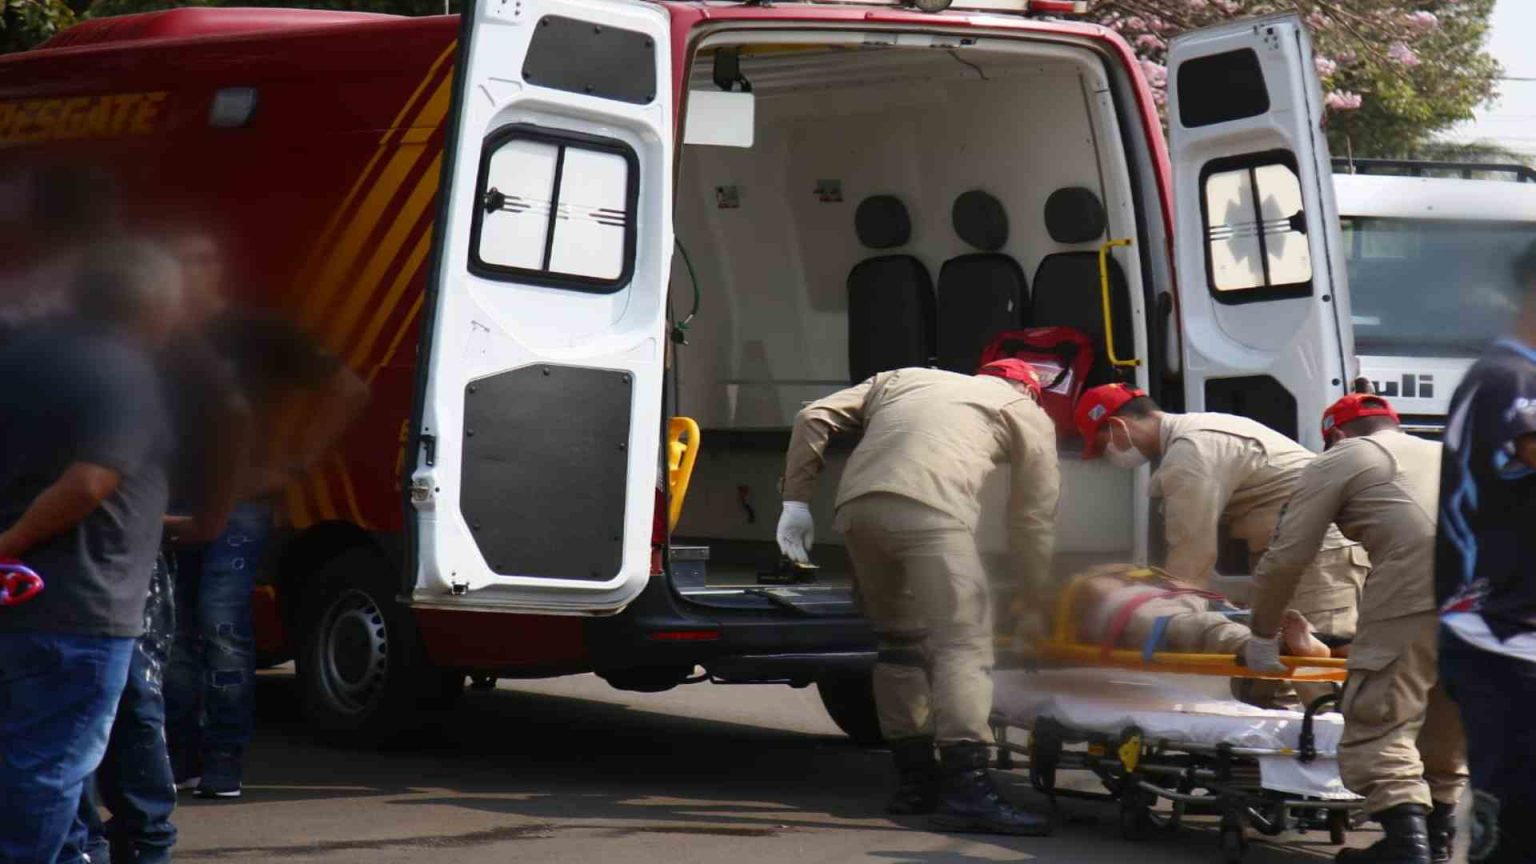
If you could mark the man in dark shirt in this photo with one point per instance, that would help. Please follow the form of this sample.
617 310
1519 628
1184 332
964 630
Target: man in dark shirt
83 446
280 373
1485 580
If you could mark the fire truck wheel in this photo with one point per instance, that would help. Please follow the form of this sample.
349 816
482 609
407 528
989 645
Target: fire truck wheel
850 701
363 676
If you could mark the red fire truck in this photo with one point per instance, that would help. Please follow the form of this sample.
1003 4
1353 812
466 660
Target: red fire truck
501 220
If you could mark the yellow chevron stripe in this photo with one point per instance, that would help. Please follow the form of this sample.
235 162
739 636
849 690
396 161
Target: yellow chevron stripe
322 494
298 510
351 493
333 274
365 289
405 328
321 249
362 351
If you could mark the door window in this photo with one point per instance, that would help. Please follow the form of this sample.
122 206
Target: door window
1256 243
1220 88
557 209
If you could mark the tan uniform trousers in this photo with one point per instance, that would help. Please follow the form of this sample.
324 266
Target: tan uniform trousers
1402 740
919 579
1329 598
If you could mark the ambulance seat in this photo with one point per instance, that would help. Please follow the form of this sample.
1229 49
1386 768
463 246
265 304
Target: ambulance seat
890 297
1067 291
983 293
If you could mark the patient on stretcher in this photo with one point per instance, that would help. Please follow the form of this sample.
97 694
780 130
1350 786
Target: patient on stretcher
1112 606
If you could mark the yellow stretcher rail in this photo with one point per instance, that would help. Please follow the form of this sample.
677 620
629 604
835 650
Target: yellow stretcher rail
680 459
1223 665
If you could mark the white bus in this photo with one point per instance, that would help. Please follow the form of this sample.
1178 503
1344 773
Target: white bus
1428 248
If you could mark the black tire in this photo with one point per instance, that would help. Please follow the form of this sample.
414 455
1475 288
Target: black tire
1234 845
1338 827
364 679
850 702
1135 819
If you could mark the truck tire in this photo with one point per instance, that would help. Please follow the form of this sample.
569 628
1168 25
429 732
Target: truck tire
850 701
364 678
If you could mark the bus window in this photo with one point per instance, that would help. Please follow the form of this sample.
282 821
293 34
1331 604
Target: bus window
1430 287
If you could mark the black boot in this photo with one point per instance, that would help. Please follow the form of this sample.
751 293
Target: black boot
971 803
1406 840
917 777
1442 832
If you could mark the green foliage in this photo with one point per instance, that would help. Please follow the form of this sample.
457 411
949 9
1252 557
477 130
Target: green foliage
24 23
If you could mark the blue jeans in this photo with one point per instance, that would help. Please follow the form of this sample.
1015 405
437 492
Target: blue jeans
210 693
134 780
1497 696
58 693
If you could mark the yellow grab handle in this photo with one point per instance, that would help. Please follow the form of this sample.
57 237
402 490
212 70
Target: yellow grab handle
680 459
1109 324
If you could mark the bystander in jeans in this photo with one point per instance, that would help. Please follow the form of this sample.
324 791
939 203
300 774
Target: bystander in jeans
134 781
211 692
83 492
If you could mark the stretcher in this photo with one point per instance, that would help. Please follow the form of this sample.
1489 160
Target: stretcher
1151 737
1064 646
1155 726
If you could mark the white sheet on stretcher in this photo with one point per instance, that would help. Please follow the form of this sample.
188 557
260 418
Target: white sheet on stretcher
1180 708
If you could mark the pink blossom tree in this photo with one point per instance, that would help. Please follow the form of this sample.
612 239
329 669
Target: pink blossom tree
1394 72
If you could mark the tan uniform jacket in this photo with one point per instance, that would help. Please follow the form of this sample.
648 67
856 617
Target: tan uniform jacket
1222 469
1382 490
934 436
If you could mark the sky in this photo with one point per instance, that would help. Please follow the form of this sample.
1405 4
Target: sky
1511 120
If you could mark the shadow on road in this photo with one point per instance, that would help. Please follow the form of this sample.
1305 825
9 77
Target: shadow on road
520 766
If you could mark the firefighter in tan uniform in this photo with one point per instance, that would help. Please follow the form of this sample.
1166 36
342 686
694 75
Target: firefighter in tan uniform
1403 747
908 505
1220 469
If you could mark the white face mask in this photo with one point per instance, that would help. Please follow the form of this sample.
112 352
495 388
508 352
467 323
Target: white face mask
1124 457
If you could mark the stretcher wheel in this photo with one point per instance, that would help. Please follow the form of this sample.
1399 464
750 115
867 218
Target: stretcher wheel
1135 816
1338 827
1234 845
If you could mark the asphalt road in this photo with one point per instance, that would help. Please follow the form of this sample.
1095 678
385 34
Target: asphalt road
571 770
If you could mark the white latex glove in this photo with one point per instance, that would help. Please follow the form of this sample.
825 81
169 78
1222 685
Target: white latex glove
797 530
1263 655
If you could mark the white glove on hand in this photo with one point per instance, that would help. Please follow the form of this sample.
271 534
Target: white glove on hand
1263 655
797 530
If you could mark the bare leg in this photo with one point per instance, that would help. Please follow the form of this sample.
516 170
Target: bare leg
1297 639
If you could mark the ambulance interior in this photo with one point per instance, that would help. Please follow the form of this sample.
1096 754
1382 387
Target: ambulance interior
891 210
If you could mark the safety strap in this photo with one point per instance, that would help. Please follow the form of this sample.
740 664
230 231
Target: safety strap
1155 638
1122 615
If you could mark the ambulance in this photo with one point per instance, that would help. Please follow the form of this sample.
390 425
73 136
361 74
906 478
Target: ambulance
591 256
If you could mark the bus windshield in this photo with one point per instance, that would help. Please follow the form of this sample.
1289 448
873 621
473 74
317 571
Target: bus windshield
1431 288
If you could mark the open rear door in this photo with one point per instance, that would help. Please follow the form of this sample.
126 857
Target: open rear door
1261 274
539 421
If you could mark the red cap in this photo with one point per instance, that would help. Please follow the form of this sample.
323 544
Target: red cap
1096 406
1353 407
1013 370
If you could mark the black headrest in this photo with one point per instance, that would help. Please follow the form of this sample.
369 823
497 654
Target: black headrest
980 220
1074 215
882 222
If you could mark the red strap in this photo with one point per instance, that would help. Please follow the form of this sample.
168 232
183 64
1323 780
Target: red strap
1122 616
